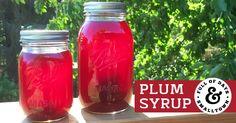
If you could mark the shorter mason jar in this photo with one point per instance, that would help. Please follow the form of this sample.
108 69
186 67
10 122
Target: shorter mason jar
45 74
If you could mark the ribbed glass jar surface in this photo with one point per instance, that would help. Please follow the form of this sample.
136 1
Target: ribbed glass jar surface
45 74
105 57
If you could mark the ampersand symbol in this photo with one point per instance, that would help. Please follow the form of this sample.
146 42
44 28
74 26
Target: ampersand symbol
212 97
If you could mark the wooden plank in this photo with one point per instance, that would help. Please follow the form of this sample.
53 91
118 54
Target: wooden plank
199 118
11 112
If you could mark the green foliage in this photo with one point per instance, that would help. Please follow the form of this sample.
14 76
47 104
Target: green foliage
20 1
174 39
69 15
184 39
8 89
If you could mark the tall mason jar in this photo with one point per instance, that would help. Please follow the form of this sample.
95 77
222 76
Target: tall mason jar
105 58
45 74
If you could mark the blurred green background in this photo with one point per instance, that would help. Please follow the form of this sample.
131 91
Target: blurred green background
174 39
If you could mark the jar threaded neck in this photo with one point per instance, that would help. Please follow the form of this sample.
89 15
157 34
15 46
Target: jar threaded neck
44 41
40 36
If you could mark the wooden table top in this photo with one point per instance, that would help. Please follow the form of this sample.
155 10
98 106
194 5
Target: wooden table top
11 112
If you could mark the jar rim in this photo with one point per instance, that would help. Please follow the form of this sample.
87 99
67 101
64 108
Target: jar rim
104 7
43 32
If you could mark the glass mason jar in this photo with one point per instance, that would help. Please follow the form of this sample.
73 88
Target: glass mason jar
105 58
45 74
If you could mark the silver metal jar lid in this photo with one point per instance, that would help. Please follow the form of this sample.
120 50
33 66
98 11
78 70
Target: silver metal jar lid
44 36
104 7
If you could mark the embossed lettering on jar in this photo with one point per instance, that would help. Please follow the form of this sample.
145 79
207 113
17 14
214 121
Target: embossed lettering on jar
45 74
105 58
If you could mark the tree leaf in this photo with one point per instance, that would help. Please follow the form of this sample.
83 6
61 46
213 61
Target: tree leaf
219 5
222 4
22 1
216 69
17 2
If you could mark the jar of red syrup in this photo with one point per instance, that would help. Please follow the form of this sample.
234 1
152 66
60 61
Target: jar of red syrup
45 74
105 54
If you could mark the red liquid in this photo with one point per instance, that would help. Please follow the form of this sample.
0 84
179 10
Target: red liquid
45 84
105 66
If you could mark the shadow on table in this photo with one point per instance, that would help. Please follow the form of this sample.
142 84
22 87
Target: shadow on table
127 115
68 119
